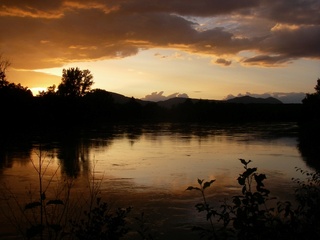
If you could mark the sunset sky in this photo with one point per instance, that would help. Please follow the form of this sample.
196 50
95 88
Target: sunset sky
154 49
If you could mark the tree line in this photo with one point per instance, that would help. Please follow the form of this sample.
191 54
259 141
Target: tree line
74 103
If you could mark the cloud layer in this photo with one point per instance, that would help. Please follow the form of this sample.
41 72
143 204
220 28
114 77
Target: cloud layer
40 34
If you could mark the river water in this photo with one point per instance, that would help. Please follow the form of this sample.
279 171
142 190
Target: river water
149 167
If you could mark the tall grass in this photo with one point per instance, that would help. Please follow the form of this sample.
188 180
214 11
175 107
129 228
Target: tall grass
51 211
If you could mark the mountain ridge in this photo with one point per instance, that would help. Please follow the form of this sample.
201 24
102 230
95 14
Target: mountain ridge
169 103
253 100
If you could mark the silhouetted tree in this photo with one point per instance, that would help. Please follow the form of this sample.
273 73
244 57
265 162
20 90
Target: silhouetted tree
75 82
317 87
8 89
16 102
309 140
51 91
311 105
4 64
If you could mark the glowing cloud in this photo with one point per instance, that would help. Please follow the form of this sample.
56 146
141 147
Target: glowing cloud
45 34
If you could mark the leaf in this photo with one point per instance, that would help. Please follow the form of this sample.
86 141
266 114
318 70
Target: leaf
207 184
200 181
249 171
56 202
241 180
32 205
200 207
259 178
193 188
244 162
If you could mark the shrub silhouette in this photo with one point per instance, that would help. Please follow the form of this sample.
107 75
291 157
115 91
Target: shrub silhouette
249 216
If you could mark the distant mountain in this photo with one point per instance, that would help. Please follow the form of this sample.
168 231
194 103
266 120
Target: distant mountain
249 100
118 98
171 102
121 99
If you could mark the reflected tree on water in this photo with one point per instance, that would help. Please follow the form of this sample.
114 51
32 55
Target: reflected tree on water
309 140
311 107
74 157
14 149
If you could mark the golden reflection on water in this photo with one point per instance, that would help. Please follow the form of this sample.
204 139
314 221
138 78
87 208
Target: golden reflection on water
170 161
151 169
173 162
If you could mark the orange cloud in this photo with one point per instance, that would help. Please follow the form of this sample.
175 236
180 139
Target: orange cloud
223 62
41 34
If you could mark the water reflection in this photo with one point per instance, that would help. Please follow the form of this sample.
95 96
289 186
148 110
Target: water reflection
14 148
74 157
149 166
76 152
309 148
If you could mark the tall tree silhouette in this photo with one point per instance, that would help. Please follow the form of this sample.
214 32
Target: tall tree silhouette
75 82
4 64
317 87
311 105
10 90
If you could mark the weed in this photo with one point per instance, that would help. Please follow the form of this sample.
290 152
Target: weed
57 217
100 223
205 207
249 217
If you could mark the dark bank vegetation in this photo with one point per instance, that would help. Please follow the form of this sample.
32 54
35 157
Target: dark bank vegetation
73 104
309 127
256 214
310 115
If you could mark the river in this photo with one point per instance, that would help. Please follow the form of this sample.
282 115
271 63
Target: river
149 167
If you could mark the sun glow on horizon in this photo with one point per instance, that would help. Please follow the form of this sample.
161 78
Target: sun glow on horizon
36 90
57 71
172 71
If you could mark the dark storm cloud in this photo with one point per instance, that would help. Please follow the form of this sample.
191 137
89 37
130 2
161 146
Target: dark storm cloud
285 44
50 33
188 7
291 11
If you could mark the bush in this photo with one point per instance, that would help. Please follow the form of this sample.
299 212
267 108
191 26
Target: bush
249 217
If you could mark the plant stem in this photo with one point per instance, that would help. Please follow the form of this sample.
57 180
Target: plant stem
207 209
40 188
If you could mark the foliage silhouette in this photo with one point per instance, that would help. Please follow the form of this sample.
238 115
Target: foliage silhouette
75 82
309 128
249 217
311 108
61 217
72 105
4 64
100 223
